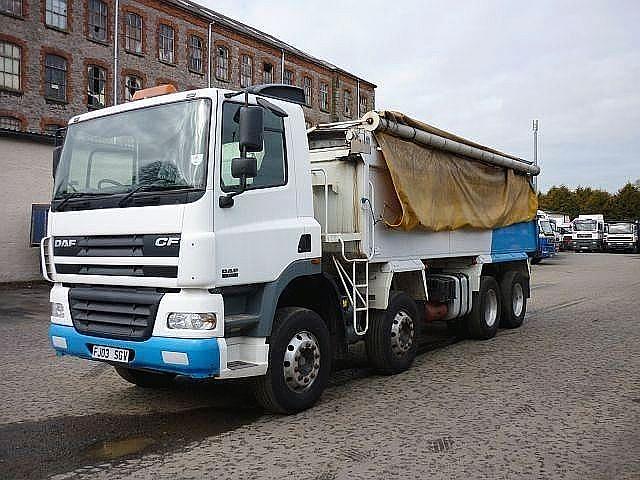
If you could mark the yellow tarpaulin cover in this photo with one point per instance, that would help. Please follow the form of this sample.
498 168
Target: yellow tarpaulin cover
439 190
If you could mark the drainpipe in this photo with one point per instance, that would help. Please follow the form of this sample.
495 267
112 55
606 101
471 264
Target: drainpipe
115 55
358 97
282 68
209 69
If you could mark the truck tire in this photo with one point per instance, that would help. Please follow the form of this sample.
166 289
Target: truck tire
484 318
145 379
299 362
514 299
391 340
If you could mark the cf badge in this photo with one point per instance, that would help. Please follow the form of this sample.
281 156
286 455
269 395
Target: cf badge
167 241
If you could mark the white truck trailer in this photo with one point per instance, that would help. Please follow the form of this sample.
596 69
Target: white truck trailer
588 233
208 234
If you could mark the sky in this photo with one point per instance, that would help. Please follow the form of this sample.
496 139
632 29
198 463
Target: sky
485 69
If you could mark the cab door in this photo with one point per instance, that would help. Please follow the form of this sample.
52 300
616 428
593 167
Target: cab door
257 237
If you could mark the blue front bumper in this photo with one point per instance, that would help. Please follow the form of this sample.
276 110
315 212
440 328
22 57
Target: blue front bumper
203 354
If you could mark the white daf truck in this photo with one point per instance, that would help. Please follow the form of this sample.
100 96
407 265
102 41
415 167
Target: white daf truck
208 234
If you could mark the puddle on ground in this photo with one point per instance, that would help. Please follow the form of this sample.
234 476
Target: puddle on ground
114 449
42 448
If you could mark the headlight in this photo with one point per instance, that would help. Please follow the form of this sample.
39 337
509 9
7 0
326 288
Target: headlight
192 321
57 310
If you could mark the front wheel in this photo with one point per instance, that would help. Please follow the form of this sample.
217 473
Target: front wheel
299 362
146 379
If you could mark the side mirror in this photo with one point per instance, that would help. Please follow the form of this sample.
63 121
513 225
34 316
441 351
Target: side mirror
251 129
57 152
244 167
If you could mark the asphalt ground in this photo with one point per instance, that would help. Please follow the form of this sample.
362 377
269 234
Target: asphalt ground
557 398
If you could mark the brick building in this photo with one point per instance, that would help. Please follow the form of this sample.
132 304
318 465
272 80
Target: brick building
57 59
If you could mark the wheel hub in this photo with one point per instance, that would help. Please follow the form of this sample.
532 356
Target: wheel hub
517 299
301 361
402 333
491 308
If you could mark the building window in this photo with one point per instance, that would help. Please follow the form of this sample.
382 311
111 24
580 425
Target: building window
9 66
246 71
363 105
56 14
165 50
324 97
97 80
222 63
12 7
133 33
55 78
10 123
348 110
51 129
195 53
307 84
98 20
267 73
288 77
131 85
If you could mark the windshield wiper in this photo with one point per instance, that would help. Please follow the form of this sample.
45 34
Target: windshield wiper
155 185
71 196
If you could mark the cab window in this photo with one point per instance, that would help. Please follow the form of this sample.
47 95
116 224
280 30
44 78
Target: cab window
272 160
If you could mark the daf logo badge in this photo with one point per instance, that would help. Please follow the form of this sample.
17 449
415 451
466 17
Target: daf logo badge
65 242
167 241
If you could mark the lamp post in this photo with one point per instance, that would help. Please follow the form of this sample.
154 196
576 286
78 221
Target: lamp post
535 152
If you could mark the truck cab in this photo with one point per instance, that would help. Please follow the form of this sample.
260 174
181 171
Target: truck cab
588 233
547 245
622 236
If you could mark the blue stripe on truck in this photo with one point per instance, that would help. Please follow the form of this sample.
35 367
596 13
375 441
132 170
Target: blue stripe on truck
513 242
203 353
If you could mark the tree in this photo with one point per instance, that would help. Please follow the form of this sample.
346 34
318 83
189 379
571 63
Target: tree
627 203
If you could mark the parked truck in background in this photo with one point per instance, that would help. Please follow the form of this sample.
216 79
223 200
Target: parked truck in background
622 236
546 239
588 233
208 234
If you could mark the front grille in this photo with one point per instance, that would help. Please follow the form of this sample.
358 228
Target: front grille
121 270
114 312
147 245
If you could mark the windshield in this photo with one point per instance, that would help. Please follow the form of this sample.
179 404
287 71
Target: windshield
585 226
621 228
545 227
163 146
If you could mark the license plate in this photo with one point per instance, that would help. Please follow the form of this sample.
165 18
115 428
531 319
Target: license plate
110 353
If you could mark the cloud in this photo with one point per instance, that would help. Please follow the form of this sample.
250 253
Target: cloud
484 70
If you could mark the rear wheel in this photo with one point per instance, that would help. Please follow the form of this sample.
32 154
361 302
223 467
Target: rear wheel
485 314
299 362
514 300
391 339
146 379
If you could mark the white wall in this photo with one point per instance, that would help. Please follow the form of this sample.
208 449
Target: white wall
25 178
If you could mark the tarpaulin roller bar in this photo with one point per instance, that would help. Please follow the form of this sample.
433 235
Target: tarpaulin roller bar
401 126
